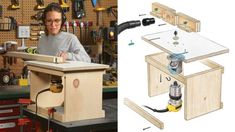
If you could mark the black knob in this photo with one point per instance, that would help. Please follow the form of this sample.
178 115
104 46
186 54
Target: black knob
175 33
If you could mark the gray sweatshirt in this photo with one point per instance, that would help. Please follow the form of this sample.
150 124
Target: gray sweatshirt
63 42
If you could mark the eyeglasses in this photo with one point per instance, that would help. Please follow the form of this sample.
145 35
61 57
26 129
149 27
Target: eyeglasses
56 21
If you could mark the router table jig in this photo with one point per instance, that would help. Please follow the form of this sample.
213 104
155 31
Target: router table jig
81 97
202 89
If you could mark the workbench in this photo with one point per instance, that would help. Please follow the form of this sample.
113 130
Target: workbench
11 94
108 123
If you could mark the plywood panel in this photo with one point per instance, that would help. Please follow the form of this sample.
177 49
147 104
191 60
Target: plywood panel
84 101
203 94
196 46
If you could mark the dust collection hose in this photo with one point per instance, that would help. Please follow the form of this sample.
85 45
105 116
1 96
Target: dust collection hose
136 23
128 25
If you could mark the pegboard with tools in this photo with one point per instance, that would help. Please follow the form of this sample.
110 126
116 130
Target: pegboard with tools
24 13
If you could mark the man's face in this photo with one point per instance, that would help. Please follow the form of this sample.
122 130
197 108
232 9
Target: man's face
53 22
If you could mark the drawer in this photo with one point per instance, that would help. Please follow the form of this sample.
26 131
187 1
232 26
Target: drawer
9 111
11 126
8 102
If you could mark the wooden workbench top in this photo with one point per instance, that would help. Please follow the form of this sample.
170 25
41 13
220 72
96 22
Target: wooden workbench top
68 66
196 46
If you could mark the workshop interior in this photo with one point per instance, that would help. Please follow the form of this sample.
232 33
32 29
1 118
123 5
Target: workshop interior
43 93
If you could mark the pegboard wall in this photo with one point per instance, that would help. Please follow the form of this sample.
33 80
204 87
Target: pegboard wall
27 10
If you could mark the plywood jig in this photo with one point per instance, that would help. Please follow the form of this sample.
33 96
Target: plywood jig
81 97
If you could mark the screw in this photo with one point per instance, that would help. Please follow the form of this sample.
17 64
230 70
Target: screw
162 24
142 14
146 128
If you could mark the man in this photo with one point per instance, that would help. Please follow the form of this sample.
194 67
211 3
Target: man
56 42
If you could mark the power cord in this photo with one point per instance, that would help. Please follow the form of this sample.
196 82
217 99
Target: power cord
36 111
169 108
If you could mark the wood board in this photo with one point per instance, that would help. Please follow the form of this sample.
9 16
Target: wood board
188 23
68 66
143 113
39 57
197 46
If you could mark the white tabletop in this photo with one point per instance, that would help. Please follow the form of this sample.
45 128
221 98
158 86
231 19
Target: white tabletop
67 66
197 47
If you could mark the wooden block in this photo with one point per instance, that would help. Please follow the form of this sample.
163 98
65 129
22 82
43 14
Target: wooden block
39 57
166 13
188 23
144 113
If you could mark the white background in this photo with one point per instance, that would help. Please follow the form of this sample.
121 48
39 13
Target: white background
217 23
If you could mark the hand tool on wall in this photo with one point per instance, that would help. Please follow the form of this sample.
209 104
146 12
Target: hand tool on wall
94 2
81 25
64 5
15 4
87 24
112 10
67 26
1 11
99 14
40 5
38 15
34 38
8 24
74 24
13 23
78 9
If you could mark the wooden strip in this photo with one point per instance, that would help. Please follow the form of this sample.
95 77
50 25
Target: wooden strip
188 23
44 70
38 57
164 12
212 64
144 113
